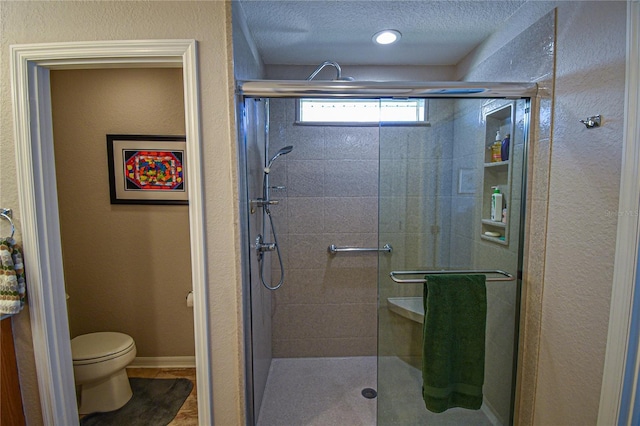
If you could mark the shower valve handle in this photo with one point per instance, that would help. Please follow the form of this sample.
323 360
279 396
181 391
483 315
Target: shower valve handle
260 202
266 247
261 246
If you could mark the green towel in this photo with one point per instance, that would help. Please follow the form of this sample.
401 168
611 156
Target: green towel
453 336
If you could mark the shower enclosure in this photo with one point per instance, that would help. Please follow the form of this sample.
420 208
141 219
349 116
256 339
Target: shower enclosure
417 196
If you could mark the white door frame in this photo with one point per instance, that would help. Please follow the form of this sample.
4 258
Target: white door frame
628 237
30 89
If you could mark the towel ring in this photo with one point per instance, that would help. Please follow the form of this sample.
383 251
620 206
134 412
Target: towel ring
6 215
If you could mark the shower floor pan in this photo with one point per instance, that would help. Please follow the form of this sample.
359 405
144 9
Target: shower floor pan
408 307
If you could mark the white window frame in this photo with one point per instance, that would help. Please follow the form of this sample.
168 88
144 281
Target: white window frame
421 113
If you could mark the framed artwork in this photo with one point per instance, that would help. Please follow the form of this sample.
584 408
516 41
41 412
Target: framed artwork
147 169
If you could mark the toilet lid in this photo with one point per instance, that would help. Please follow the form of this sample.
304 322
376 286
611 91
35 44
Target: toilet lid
98 345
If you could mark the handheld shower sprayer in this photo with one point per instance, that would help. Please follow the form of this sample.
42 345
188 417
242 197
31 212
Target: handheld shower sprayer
262 246
283 151
267 169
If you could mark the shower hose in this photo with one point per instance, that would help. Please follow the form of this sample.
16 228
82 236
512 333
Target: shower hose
261 260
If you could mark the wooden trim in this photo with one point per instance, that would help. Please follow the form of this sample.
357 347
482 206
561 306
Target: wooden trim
11 411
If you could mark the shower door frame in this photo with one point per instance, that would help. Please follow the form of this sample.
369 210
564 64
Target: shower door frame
246 250
371 90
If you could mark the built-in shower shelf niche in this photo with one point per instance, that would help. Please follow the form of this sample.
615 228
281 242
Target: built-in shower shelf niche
497 165
490 222
497 173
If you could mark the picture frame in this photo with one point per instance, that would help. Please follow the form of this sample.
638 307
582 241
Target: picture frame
147 169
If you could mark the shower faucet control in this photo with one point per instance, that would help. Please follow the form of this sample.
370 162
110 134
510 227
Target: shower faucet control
261 246
260 202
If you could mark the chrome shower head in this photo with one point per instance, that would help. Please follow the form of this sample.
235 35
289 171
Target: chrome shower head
283 151
338 71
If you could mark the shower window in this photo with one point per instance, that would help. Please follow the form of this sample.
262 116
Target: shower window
362 111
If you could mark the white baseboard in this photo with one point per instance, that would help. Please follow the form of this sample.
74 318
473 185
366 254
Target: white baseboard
164 362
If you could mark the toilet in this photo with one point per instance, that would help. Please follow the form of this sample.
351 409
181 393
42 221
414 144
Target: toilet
99 362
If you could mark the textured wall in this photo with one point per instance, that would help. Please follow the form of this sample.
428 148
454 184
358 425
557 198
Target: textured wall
583 201
535 48
568 287
210 24
127 267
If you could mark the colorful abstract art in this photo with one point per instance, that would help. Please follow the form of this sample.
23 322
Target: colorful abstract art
146 169
154 170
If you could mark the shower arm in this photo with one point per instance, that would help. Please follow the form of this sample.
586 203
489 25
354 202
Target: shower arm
324 64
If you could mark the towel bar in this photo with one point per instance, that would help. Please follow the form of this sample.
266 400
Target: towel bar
393 274
333 249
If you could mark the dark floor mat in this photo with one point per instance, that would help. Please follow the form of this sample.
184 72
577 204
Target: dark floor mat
155 402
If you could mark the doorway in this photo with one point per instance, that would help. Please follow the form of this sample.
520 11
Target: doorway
127 266
39 207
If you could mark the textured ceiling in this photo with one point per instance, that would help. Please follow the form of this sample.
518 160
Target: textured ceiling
307 32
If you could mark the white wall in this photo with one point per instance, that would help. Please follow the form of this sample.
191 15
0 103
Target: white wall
583 202
569 285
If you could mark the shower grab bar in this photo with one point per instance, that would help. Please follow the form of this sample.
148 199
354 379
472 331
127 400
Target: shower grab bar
393 274
333 249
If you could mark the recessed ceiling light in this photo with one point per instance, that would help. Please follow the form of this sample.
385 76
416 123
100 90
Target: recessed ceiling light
386 36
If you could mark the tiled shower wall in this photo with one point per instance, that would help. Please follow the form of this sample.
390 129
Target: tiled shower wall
415 211
327 304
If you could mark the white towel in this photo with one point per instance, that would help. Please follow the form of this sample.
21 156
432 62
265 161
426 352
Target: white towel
12 282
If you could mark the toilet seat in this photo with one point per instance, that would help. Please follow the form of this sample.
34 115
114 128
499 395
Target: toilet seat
100 347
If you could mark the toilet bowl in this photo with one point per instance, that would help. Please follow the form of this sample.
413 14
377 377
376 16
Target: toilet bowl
99 361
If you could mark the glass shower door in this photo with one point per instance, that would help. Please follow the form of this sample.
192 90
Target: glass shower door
435 194
258 314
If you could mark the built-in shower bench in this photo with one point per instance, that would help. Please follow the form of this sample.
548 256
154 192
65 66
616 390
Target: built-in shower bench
408 307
